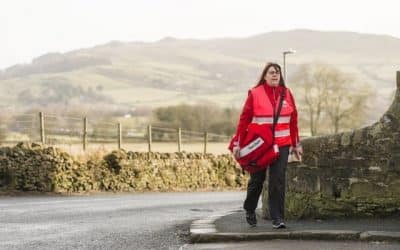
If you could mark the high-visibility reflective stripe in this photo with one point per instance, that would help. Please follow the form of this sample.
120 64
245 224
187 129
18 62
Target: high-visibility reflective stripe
276 148
262 120
251 147
270 120
284 119
282 133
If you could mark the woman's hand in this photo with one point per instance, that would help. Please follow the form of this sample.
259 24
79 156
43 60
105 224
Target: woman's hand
298 151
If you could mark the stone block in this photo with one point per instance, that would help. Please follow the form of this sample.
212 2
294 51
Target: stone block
368 189
346 139
394 188
304 180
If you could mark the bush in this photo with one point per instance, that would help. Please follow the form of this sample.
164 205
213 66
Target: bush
209 118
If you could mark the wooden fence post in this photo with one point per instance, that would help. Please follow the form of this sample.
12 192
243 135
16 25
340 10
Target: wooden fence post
149 139
41 124
205 142
179 139
119 135
84 137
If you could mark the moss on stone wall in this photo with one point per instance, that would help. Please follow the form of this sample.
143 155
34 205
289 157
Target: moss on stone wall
33 167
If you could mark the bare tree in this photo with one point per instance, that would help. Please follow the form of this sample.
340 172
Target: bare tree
330 97
346 104
311 82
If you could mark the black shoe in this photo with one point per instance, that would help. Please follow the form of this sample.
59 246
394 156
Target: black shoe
278 224
251 218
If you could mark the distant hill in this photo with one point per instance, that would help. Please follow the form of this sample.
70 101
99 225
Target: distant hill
173 70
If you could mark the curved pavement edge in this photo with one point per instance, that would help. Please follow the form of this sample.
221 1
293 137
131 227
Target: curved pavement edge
205 230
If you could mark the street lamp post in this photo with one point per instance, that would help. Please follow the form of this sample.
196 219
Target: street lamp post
286 52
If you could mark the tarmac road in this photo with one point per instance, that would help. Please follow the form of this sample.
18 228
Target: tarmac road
107 221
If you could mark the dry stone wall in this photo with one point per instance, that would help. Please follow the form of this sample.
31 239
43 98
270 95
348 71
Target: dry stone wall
34 167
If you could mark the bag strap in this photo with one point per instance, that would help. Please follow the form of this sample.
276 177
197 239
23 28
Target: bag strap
276 116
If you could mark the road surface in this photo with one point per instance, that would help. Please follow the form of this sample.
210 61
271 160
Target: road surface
108 221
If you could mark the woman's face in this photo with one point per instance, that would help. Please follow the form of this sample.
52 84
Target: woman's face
273 76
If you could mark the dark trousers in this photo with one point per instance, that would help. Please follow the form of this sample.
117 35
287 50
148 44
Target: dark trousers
276 186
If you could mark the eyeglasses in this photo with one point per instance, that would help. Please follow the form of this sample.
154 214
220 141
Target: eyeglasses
273 72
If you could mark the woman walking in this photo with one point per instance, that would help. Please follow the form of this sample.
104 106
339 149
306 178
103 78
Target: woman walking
260 107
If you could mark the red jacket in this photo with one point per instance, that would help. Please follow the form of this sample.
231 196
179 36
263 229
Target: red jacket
273 93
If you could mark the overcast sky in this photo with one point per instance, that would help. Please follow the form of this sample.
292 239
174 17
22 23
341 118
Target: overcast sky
30 28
